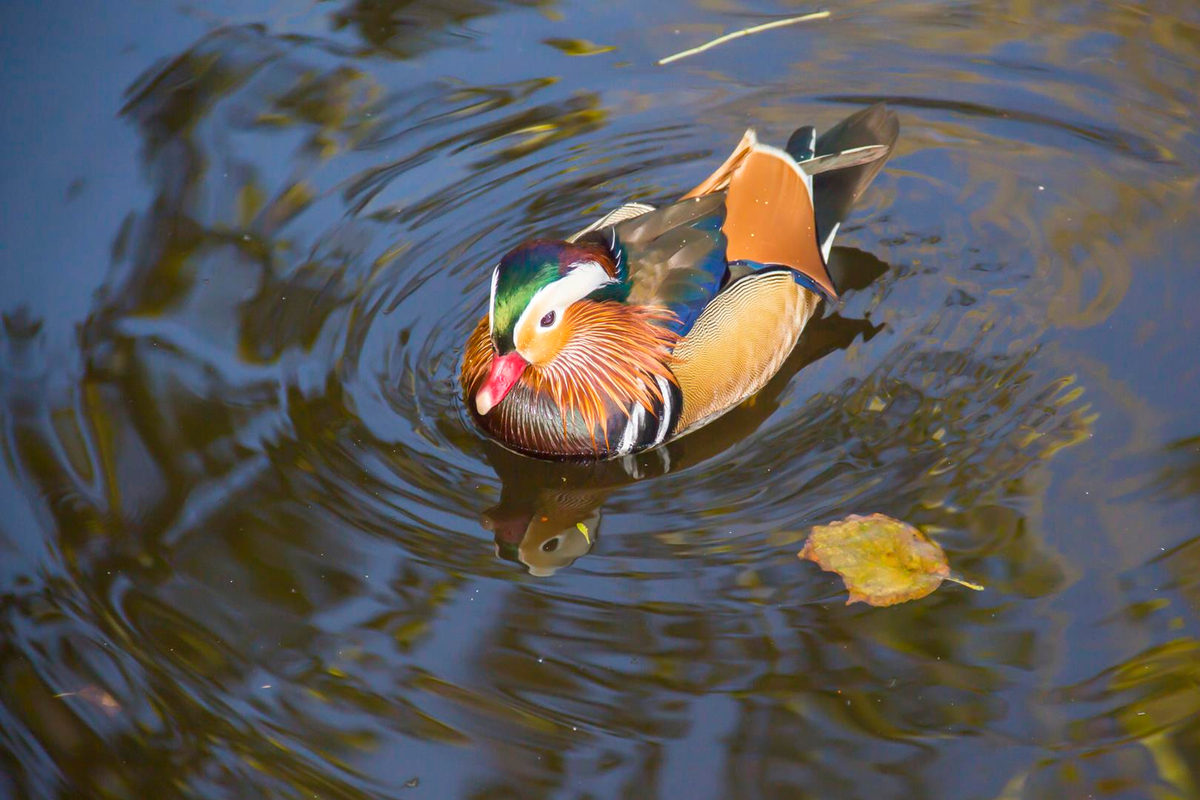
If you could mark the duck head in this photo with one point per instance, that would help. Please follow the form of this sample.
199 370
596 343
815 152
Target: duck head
530 319
559 322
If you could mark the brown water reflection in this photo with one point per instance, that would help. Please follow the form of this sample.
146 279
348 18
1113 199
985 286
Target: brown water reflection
253 546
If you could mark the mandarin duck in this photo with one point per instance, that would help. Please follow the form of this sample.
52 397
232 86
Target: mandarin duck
650 323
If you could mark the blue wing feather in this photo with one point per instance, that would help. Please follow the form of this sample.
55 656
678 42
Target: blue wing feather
676 257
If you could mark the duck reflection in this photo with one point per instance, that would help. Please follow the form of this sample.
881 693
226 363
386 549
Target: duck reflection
546 530
550 513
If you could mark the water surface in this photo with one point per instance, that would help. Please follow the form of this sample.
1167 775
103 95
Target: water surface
251 546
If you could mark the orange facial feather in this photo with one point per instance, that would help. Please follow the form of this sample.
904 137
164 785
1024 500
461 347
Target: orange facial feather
610 359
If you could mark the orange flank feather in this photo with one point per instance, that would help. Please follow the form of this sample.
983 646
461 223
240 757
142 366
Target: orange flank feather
611 357
769 215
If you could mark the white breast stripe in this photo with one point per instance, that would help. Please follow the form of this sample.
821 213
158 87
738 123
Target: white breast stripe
634 426
582 280
664 419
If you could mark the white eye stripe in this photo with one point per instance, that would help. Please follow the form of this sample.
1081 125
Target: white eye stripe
577 284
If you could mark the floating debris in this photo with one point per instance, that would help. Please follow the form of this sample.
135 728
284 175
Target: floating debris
766 26
882 561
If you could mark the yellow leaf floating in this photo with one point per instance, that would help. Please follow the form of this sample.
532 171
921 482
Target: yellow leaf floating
882 561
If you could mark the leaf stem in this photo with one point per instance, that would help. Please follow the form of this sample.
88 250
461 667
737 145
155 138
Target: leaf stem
963 582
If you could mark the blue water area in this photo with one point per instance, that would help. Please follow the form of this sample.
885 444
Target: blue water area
252 545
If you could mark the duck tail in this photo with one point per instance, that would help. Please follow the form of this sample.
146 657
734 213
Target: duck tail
843 161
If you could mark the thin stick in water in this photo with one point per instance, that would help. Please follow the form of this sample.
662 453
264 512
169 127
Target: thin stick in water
766 26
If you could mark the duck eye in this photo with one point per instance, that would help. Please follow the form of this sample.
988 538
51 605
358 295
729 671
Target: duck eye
550 545
548 320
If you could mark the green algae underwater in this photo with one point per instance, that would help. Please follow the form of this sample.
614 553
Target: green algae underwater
252 547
